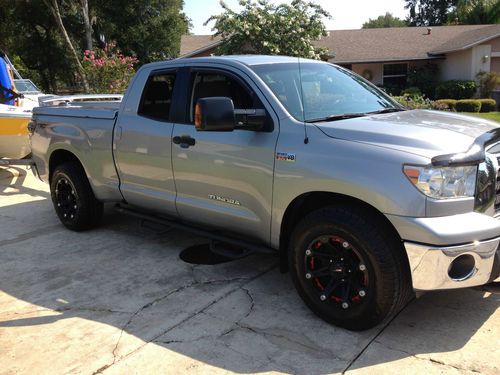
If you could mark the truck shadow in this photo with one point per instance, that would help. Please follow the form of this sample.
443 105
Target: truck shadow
241 316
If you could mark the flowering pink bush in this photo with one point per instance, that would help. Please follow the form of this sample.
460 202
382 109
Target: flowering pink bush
107 70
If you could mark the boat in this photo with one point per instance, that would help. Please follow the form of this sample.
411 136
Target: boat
14 137
17 99
31 93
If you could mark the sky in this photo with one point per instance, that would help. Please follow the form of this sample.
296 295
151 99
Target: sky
346 14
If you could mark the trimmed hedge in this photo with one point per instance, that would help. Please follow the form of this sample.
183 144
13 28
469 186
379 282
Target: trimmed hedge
468 105
488 105
451 104
456 89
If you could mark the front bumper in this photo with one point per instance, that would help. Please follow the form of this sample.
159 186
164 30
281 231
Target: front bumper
450 252
434 268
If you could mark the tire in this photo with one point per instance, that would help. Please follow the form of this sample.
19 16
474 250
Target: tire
73 198
348 268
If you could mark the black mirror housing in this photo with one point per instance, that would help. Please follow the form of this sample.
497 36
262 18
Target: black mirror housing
214 114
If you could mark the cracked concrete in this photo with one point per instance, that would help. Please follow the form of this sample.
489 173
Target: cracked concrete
119 300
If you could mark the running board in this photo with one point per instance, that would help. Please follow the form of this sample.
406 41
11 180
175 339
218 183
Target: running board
229 251
11 162
244 247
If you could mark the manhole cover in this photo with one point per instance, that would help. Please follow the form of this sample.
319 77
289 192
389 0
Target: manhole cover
201 254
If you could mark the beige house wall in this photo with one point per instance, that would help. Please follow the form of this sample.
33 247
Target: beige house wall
495 65
377 71
495 44
457 65
481 59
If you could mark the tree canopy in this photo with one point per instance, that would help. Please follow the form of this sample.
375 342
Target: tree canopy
39 35
429 12
386 20
473 12
264 28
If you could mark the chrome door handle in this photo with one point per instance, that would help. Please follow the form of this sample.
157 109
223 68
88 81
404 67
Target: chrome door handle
184 141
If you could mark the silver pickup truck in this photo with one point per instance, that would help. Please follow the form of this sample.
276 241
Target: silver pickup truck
364 201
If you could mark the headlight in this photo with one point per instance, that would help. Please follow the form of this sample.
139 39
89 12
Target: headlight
443 182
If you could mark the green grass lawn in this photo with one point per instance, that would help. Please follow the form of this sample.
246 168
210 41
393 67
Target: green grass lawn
495 116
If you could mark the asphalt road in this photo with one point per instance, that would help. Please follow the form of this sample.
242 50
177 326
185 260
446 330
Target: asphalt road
119 299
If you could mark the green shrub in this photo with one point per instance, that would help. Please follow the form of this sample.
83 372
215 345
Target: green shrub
456 89
425 78
412 92
439 106
488 105
414 102
449 104
487 83
108 70
468 105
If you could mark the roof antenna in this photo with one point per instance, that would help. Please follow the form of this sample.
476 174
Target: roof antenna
306 138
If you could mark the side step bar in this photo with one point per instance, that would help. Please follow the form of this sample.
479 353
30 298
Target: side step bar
9 162
216 237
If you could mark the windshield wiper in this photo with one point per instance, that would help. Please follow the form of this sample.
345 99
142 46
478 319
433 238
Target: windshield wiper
353 115
386 110
336 117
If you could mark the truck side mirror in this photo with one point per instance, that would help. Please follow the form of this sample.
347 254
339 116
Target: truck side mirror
214 114
218 114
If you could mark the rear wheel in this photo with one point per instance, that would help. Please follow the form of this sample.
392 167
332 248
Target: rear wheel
347 268
73 198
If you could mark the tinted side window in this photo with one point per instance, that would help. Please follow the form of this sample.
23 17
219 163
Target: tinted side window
157 96
208 85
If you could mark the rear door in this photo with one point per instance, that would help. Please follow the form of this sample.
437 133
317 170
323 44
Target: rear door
143 144
224 179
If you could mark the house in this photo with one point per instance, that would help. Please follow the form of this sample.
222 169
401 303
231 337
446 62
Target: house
386 55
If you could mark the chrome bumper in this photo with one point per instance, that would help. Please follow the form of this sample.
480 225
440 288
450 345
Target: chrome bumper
450 267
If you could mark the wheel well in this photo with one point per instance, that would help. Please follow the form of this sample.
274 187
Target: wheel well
309 202
59 157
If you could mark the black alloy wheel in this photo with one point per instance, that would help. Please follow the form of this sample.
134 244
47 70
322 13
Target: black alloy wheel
73 198
337 271
348 267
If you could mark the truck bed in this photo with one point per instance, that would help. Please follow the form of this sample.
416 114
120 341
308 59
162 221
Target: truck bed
95 110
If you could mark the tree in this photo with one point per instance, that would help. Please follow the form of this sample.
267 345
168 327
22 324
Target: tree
31 38
87 24
476 12
387 20
429 12
47 38
148 29
265 28
54 9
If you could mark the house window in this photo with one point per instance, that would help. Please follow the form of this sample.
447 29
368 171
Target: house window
395 76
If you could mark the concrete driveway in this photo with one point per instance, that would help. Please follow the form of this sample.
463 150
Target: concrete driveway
120 300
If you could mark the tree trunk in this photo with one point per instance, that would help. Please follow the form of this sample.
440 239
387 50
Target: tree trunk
54 8
88 26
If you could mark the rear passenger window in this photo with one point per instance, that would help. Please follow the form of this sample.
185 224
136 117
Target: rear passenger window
157 96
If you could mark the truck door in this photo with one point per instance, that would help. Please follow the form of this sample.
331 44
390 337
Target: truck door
143 151
224 179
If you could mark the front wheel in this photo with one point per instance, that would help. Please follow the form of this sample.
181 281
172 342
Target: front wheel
347 268
73 198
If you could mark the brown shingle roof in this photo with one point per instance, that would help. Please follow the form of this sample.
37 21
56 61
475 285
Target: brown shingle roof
469 38
403 43
386 44
195 43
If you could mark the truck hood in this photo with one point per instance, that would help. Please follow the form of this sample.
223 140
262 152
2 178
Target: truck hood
421 132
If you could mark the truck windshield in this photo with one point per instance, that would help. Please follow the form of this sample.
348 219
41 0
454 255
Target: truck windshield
315 92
